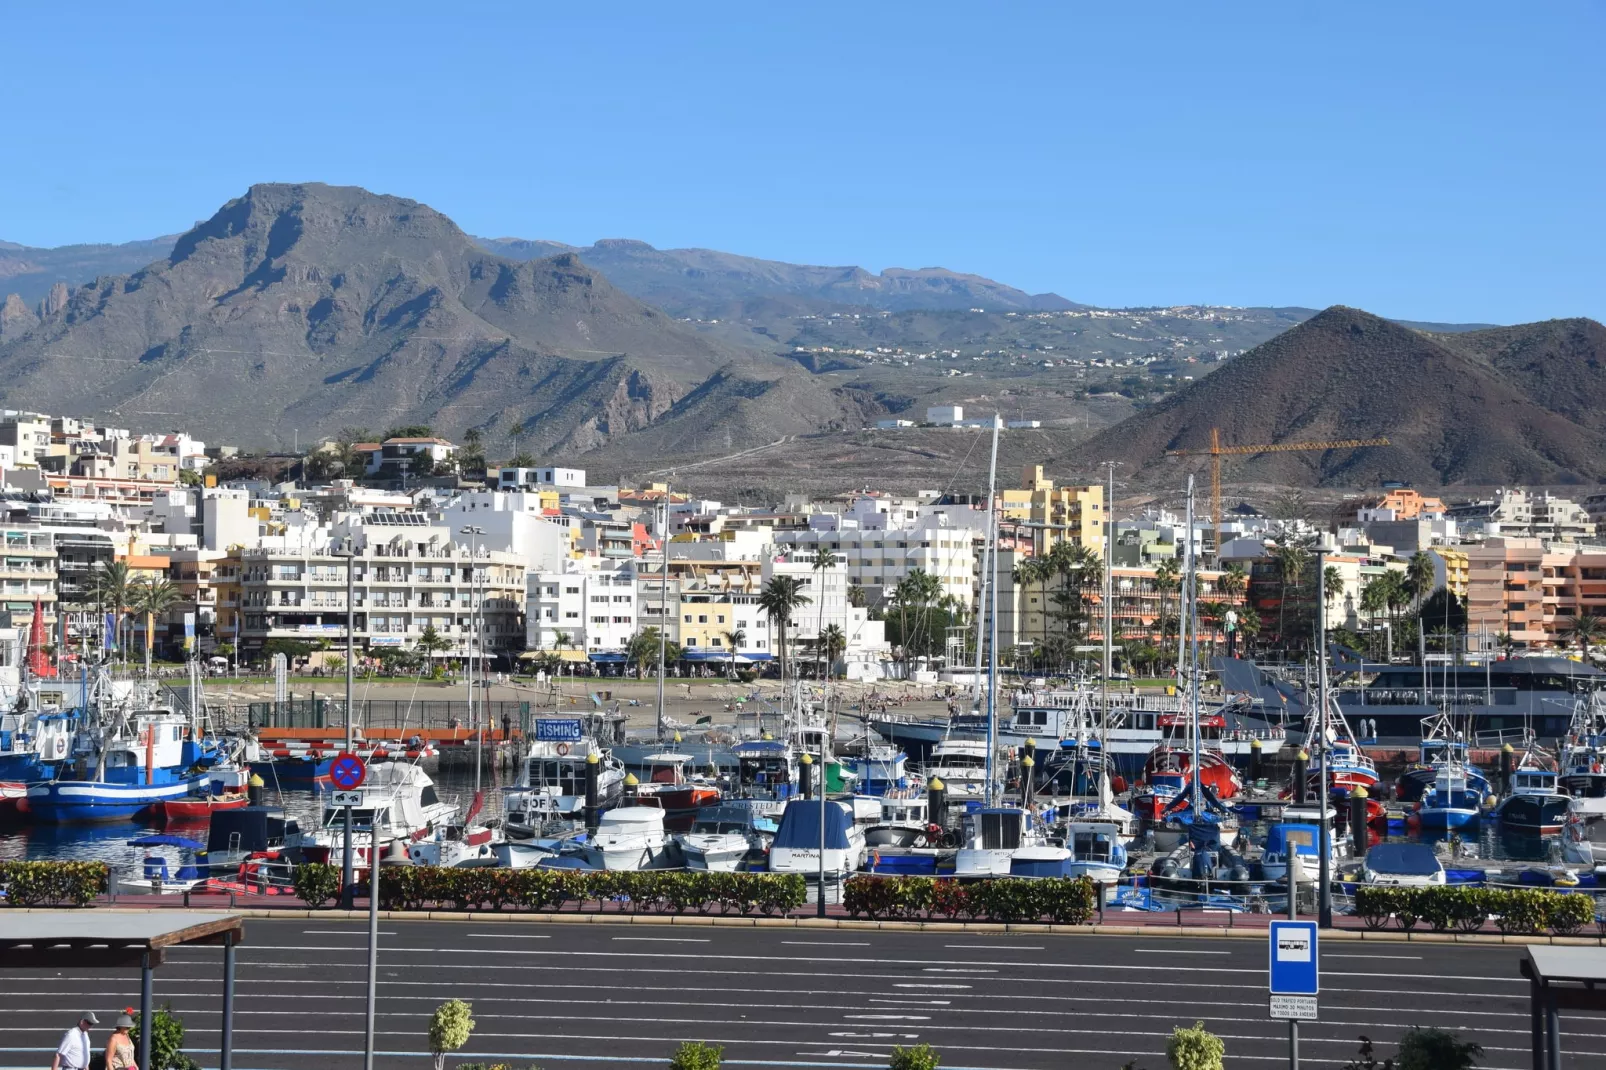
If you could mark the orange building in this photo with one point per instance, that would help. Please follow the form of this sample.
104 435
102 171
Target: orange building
1406 504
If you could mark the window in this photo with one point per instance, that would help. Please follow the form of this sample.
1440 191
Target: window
702 618
691 641
688 618
721 618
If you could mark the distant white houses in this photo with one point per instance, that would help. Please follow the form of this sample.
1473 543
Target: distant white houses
1020 424
945 415
890 425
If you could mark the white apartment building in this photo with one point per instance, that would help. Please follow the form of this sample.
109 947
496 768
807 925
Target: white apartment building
878 560
590 610
514 478
408 575
512 521
866 644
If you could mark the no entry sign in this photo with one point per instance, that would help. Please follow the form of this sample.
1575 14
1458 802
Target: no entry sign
347 771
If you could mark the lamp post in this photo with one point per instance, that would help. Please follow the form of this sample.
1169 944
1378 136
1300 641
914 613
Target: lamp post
474 533
348 890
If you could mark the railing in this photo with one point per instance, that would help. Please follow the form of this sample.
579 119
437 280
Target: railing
384 715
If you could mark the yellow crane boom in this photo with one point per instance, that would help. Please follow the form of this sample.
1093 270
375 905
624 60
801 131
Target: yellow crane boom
1215 451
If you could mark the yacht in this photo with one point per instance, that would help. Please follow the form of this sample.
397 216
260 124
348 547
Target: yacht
767 774
682 797
1537 694
1096 851
1296 841
905 821
724 837
996 835
629 838
454 845
1441 744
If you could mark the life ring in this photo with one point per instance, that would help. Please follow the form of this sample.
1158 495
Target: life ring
563 750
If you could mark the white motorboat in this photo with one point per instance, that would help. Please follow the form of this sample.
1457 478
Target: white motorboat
1096 850
797 843
398 803
725 836
995 835
629 838
526 854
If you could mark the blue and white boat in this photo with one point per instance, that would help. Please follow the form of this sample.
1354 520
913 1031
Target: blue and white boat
1096 851
880 769
796 848
35 745
1452 801
1441 744
1536 803
1292 840
152 759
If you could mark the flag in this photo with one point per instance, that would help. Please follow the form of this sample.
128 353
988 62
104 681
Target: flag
475 807
108 632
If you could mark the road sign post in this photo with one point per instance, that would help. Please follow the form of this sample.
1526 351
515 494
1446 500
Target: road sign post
1294 977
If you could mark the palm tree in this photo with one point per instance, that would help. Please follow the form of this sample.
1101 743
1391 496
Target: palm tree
832 644
643 649
112 588
1233 581
1506 642
153 598
733 642
779 599
823 561
915 593
1291 556
1419 575
1167 578
1031 571
431 642
1586 627
1332 584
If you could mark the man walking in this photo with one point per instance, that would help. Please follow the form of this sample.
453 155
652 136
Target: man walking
73 1052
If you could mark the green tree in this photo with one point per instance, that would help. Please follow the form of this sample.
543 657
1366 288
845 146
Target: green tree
692 1055
449 1029
431 642
834 643
522 459
1195 1049
1167 581
113 589
410 431
1584 628
781 597
733 642
1436 1049
916 1057
642 650
822 562
1419 575
152 598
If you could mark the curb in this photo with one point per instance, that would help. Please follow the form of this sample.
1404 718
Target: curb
1194 932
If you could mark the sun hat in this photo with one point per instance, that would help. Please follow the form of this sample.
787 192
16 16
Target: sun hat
124 1021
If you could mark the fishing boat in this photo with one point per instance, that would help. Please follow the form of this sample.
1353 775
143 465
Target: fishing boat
1583 757
551 787
880 769
629 838
1451 801
766 774
399 802
35 746
680 796
1441 743
726 837
996 835
1535 803
796 848
1096 851
962 765
145 759
904 821
224 788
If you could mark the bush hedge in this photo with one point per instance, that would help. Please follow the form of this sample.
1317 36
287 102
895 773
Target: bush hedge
39 884
658 891
1465 909
316 883
1064 900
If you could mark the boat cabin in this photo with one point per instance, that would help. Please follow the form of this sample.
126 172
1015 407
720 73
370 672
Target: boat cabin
154 754
1095 841
1533 782
999 829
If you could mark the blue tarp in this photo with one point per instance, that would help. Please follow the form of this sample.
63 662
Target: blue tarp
1412 858
800 825
168 841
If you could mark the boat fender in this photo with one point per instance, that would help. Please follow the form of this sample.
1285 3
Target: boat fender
563 750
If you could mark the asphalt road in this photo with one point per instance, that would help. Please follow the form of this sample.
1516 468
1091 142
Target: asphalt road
627 995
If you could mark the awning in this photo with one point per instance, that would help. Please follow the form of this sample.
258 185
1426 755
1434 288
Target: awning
562 655
608 657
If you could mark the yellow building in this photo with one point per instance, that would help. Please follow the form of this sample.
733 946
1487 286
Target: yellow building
1456 568
1075 514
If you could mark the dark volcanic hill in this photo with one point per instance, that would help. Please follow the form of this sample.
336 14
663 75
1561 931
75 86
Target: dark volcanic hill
306 308
701 282
1481 407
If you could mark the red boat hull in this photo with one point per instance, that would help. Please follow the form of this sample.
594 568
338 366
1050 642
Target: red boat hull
200 809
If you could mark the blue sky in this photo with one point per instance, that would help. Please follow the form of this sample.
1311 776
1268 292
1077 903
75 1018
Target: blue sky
1439 161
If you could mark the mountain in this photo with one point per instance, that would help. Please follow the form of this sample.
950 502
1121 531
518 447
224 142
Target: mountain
31 273
1479 407
307 308
703 282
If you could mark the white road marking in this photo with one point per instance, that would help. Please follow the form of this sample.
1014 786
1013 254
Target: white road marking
508 936
995 947
1336 955
1169 951
888 1017
663 939
912 985
343 932
950 969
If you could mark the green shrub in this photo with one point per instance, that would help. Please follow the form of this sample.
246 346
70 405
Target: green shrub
1522 910
167 1039
919 1057
1195 1049
1366 1058
416 887
449 1029
694 1056
1435 1049
316 883
1567 913
37 884
1059 899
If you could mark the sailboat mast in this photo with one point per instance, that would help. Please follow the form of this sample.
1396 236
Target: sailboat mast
1189 627
1109 628
663 612
991 557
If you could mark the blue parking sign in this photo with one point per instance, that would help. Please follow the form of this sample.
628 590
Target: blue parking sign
1294 958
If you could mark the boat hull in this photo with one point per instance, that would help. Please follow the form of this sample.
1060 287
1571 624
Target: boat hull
83 801
1533 813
